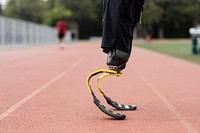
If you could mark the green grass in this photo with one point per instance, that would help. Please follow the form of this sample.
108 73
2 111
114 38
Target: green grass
180 50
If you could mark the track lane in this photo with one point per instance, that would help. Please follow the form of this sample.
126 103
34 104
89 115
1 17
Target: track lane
21 80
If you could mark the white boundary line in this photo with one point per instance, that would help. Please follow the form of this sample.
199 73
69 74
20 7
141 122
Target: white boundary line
30 96
171 108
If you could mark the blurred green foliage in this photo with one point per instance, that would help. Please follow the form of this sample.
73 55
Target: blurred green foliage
55 12
1 12
174 17
171 11
30 10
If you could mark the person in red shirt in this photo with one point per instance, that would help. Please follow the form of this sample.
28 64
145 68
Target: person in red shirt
61 27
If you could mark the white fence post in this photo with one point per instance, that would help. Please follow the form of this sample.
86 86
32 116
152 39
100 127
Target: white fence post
2 30
14 31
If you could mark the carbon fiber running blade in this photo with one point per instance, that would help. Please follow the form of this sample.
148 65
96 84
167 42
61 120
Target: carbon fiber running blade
117 116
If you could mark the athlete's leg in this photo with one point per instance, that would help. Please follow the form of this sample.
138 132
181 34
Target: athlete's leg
119 20
61 40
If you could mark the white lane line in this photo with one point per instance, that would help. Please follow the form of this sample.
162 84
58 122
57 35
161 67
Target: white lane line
30 96
172 109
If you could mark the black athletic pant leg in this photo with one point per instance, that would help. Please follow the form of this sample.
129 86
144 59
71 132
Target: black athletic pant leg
119 17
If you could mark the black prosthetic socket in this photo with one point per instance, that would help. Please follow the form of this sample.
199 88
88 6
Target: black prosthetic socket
117 59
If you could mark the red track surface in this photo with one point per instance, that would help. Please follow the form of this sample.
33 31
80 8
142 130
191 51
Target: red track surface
42 90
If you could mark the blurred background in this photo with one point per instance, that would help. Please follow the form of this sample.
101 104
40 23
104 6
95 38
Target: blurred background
33 22
161 18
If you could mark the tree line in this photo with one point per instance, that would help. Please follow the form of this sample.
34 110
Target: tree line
161 18
171 18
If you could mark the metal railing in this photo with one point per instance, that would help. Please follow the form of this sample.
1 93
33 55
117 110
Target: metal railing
14 31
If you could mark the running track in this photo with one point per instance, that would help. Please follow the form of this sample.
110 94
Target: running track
42 90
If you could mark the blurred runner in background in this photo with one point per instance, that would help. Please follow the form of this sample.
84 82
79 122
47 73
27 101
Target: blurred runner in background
61 27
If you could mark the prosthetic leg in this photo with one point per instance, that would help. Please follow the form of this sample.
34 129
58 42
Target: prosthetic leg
114 104
119 17
117 62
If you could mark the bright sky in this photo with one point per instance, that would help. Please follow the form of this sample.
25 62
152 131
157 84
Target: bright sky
3 2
